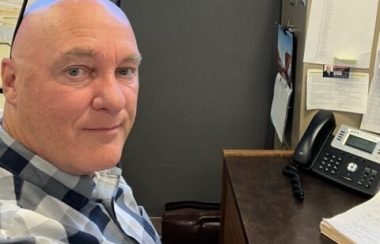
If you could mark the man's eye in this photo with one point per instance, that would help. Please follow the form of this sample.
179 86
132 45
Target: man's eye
127 72
75 71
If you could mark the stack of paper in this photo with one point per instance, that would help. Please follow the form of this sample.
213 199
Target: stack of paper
360 224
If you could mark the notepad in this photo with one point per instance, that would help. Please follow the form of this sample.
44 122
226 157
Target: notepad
360 224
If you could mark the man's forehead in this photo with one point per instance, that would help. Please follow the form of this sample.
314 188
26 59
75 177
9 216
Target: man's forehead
88 52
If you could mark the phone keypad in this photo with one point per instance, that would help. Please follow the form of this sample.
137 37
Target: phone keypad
348 169
330 163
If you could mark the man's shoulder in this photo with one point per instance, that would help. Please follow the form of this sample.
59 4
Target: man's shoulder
27 226
14 189
13 218
27 213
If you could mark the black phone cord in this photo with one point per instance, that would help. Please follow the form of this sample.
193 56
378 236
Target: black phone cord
292 173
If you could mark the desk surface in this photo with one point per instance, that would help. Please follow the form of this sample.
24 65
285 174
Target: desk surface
265 203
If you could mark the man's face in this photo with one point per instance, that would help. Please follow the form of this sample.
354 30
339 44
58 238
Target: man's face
77 90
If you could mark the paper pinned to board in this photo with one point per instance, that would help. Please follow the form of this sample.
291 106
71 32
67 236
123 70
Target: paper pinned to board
341 32
371 118
340 94
279 111
9 12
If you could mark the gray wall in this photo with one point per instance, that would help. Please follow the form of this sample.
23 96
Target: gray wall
206 84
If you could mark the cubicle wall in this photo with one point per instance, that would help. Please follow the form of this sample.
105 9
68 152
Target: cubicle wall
206 84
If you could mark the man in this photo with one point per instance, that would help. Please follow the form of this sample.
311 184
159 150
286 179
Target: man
71 89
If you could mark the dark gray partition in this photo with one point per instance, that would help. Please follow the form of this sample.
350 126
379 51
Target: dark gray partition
206 84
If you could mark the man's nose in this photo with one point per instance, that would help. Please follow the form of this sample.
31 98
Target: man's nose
109 95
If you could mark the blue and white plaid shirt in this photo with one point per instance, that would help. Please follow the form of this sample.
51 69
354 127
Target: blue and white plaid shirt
41 204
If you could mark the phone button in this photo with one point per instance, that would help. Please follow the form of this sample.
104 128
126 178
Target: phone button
352 167
347 178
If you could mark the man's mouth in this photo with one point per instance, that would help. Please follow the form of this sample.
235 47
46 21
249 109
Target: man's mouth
104 129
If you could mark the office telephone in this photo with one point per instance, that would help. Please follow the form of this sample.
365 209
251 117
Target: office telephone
350 158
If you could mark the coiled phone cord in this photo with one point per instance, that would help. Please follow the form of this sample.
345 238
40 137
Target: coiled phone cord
291 171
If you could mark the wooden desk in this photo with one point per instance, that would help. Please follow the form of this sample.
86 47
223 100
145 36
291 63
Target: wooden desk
258 205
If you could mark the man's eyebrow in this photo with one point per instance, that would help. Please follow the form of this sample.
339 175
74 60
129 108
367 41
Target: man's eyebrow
80 52
137 58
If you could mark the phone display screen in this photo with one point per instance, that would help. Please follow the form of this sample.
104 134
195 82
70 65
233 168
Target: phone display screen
360 143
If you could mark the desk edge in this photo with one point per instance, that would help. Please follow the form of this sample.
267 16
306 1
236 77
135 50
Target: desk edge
256 153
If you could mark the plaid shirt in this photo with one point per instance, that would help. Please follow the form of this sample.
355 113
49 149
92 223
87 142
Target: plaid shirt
41 204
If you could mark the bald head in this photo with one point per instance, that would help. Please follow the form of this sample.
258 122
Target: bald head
43 4
39 4
46 18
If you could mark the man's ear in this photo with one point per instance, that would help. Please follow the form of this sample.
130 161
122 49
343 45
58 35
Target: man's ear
8 76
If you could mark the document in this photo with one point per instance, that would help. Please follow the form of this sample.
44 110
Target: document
340 94
341 32
279 111
360 224
371 118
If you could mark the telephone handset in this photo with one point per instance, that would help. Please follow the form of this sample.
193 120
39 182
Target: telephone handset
319 130
350 158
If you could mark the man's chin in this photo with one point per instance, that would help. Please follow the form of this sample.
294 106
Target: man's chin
97 162
96 167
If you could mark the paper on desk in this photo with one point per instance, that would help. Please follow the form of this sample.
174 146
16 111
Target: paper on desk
279 111
349 95
360 224
371 118
341 32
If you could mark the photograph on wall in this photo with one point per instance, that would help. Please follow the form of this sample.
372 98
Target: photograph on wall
336 71
284 54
